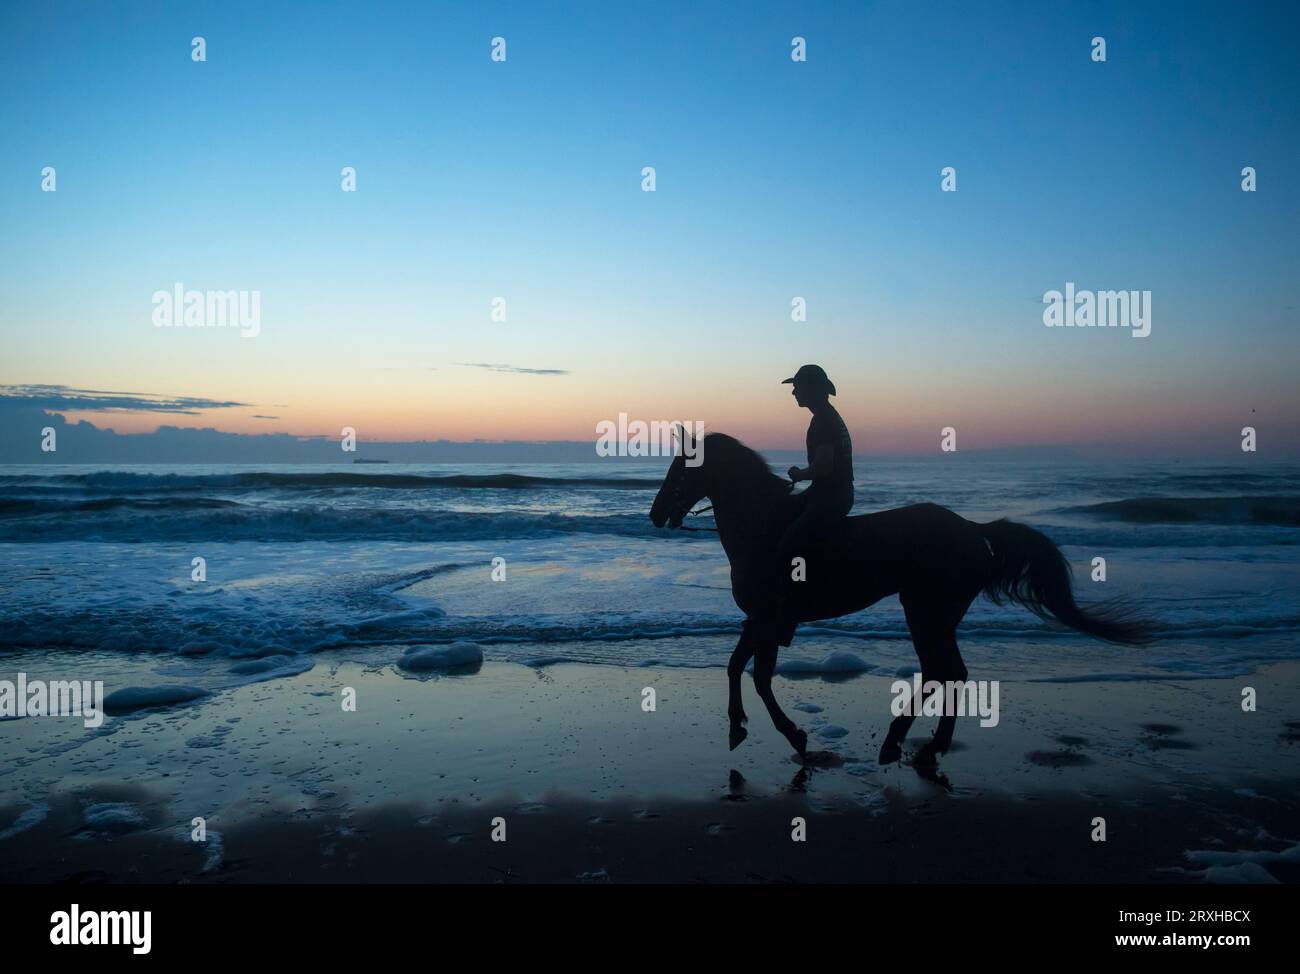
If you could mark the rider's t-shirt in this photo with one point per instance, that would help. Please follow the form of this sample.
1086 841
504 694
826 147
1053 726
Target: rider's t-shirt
828 427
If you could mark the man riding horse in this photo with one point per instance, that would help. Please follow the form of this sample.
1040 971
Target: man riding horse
828 499
934 560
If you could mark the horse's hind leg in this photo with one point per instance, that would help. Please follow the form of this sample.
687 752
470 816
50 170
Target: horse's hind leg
741 655
934 636
950 669
892 747
764 667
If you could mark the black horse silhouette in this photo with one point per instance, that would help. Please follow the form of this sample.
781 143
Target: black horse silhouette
936 561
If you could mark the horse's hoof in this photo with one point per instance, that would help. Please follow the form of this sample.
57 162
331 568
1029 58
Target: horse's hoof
738 734
890 752
927 757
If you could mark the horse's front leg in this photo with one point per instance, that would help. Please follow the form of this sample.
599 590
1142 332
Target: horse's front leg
764 667
741 655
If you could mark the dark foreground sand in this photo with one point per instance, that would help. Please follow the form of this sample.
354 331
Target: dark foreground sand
592 788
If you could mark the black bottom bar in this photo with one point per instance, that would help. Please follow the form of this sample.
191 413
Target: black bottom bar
329 923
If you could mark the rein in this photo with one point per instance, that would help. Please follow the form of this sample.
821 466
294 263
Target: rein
696 513
703 510
677 491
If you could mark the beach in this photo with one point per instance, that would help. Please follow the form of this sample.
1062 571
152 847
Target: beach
591 787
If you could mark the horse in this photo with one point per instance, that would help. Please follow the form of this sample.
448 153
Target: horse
934 560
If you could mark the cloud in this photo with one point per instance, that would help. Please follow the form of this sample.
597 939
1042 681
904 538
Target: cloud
31 411
66 399
24 431
512 369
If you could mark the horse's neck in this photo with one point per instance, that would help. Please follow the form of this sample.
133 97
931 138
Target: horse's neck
744 520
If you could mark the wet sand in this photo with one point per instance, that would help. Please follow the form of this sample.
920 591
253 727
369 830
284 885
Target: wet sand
590 787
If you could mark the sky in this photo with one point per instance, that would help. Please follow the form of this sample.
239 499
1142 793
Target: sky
775 179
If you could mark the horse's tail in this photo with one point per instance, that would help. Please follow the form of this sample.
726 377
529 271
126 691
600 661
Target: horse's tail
1030 571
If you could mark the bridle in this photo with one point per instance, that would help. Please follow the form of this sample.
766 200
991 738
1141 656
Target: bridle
675 498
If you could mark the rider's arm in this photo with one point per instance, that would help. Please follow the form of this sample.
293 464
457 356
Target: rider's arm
822 466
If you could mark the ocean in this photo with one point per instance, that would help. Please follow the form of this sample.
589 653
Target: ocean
375 559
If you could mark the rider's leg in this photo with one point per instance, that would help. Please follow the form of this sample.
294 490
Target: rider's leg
796 542
821 512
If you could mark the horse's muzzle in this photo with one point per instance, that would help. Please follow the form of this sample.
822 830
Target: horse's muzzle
658 518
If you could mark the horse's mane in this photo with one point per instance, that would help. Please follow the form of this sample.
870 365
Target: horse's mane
742 462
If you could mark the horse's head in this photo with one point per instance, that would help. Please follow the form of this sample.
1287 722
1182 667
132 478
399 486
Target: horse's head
732 468
683 487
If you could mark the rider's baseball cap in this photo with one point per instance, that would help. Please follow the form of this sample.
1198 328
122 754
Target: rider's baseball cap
812 377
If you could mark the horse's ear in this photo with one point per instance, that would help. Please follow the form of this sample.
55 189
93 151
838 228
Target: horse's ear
684 443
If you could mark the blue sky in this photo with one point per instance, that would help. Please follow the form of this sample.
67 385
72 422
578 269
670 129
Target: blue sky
775 179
